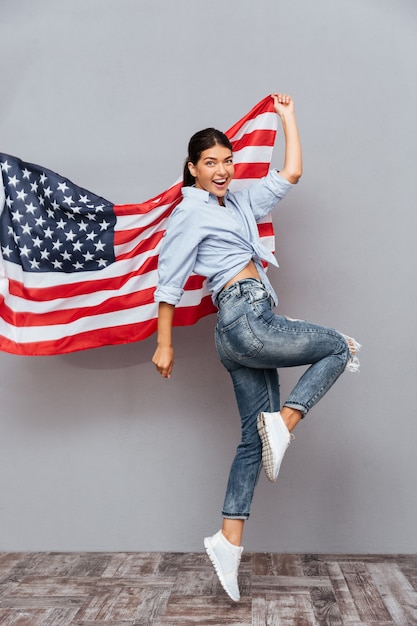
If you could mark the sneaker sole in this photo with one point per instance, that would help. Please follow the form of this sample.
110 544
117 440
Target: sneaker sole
267 453
217 568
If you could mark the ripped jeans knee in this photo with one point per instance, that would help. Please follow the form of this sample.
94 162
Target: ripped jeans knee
353 363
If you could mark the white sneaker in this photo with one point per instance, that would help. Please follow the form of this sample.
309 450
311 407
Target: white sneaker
275 438
225 558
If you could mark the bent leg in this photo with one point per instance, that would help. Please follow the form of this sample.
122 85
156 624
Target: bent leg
284 342
329 353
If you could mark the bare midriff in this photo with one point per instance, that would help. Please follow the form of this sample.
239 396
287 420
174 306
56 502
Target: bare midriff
249 271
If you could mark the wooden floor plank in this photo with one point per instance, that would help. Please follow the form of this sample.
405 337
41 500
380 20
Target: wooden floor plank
191 582
275 582
59 617
8 560
153 605
128 564
49 586
27 617
259 610
266 564
207 610
287 609
34 601
396 592
325 606
345 602
368 602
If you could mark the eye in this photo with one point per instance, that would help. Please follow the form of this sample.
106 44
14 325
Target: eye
210 163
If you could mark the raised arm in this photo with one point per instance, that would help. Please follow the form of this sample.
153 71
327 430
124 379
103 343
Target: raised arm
293 162
163 358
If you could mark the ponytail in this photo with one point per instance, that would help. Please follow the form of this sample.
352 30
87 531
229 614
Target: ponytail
188 178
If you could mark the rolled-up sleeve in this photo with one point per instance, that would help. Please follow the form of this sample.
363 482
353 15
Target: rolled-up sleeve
265 194
177 257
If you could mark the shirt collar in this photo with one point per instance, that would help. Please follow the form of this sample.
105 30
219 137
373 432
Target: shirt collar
201 194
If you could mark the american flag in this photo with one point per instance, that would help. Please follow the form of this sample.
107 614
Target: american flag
79 272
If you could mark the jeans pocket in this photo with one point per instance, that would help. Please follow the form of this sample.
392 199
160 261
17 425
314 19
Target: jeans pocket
238 339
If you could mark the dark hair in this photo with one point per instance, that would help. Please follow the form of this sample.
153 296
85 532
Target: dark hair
203 140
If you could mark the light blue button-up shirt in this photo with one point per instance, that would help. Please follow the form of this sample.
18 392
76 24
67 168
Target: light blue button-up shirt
217 241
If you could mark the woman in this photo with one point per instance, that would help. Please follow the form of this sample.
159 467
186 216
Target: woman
214 233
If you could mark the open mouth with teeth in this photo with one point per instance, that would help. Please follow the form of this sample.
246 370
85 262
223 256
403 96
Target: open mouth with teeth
221 182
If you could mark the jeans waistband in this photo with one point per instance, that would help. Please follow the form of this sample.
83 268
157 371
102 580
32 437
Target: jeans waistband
237 288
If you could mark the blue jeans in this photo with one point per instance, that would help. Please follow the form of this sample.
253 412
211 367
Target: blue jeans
252 342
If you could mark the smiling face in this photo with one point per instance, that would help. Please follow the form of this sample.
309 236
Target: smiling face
214 170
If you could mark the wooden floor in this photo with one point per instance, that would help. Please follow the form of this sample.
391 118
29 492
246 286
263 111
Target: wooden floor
115 589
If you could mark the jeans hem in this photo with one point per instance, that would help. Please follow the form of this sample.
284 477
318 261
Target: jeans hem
243 516
298 407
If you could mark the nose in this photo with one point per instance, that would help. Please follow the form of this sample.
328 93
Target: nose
221 169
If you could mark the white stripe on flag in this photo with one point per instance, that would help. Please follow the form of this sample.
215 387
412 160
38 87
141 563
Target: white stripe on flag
264 121
33 280
257 154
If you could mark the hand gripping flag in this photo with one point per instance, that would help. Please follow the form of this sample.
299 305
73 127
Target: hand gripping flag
78 272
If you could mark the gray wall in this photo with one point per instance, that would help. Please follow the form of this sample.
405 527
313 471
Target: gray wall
97 452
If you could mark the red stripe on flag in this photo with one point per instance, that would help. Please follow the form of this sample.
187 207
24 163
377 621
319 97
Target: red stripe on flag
167 197
186 316
45 294
257 138
251 170
266 229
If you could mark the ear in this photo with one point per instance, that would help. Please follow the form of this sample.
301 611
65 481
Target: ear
191 168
